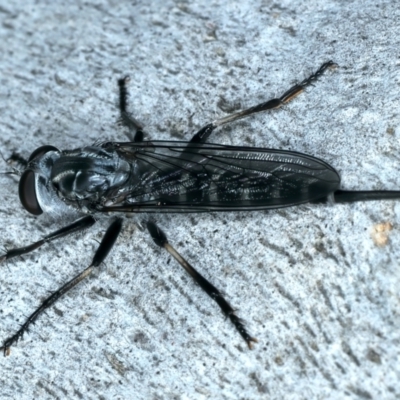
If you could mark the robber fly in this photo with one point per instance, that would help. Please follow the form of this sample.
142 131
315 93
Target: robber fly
172 177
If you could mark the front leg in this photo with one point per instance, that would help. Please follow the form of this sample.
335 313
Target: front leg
76 226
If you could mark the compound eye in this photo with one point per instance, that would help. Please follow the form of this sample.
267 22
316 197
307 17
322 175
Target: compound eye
27 192
40 151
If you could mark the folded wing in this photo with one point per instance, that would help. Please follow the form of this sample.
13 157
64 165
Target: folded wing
183 177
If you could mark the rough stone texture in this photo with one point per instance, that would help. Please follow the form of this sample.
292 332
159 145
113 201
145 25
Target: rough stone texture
311 282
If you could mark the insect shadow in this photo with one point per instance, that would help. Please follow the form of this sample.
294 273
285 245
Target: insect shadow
171 177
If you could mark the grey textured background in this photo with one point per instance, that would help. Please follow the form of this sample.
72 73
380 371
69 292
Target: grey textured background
311 283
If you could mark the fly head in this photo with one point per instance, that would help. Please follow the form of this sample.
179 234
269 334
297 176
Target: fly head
36 191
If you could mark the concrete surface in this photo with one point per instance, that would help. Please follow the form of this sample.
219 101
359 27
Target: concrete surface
317 285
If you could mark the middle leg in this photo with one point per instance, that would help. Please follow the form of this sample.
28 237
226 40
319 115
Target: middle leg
125 117
104 248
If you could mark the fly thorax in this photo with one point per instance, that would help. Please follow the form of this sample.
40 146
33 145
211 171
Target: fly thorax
88 175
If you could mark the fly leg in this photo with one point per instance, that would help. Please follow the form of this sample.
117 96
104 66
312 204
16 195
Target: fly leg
76 226
126 119
17 159
106 245
160 239
202 135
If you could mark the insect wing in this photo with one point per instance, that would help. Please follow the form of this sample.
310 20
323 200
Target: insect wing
186 177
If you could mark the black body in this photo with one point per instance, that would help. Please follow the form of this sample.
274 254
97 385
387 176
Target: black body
180 177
